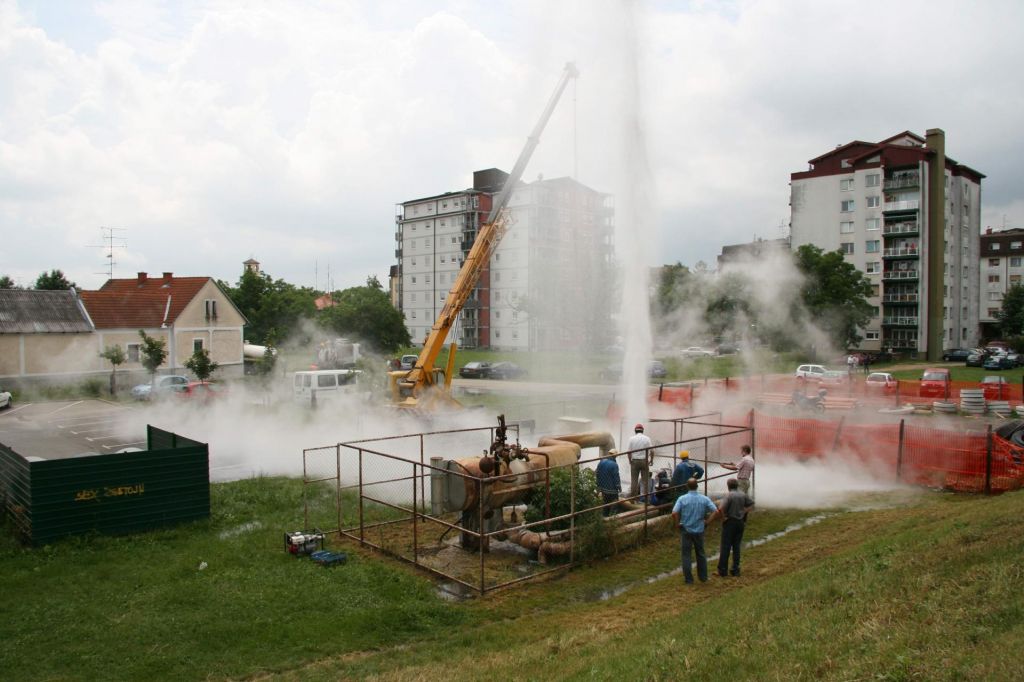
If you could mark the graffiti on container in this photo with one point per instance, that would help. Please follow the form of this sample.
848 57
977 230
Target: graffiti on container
119 491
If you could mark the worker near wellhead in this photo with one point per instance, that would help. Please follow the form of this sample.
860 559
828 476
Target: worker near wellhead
733 508
744 468
691 512
684 471
640 458
608 481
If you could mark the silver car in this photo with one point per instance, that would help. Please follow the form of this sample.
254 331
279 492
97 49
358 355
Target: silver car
162 385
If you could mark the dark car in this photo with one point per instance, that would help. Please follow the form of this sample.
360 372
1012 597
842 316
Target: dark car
1015 359
956 355
998 362
655 370
505 370
475 370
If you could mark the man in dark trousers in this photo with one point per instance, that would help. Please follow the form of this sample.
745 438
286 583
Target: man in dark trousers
683 472
608 481
691 512
733 508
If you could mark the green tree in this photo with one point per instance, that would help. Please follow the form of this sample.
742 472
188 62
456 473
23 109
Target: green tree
366 313
7 283
54 280
1011 314
201 365
115 356
268 304
152 353
834 294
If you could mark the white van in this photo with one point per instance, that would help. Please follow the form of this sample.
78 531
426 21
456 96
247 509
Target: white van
317 387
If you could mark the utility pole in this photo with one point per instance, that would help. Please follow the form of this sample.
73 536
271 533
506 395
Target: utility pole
111 241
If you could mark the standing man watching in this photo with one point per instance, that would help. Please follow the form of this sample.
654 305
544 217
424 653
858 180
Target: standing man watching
684 471
733 508
608 481
691 512
744 468
640 458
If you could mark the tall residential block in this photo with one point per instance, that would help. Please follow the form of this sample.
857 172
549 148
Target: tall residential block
908 216
548 285
1002 266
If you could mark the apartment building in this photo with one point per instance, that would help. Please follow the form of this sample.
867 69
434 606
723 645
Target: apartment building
909 217
548 284
1002 266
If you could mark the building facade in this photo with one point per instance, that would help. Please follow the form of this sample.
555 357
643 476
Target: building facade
559 241
909 217
1001 267
755 250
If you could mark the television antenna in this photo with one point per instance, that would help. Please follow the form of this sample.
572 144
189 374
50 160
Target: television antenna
111 241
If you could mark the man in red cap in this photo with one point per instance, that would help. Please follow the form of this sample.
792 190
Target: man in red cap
640 458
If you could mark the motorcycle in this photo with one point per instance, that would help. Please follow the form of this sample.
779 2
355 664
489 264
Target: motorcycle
815 403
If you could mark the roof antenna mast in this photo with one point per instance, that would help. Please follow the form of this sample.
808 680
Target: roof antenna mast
111 241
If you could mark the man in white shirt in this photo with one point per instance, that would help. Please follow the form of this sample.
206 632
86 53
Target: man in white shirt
744 469
640 459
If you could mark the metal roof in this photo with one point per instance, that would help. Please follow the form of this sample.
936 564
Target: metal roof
31 311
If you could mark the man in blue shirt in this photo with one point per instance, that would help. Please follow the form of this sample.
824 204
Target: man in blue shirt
608 481
691 511
684 471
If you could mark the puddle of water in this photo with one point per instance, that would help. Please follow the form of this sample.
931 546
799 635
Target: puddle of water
622 589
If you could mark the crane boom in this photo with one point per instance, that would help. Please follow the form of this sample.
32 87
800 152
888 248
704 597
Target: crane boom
409 387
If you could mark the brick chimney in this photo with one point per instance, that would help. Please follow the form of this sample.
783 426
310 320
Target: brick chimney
143 277
168 276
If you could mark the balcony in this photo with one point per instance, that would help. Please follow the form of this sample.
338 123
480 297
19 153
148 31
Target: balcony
903 181
900 252
901 298
893 275
398 253
897 229
901 344
908 205
900 321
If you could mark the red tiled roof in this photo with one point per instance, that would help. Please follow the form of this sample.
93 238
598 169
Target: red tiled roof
129 303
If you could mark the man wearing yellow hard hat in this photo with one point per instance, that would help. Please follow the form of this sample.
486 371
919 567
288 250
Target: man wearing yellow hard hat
684 471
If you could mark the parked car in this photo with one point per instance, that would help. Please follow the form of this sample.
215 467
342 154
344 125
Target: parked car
5 399
811 372
475 370
655 370
976 359
408 361
727 348
835 378
956 355
997 361
1015 358
199 391
159 388
697 352
934 383
880 382
995 387
505 370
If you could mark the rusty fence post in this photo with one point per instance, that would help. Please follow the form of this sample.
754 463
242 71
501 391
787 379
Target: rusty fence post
899 453
415 514
897 395
988 461
362 537
572 519
839 431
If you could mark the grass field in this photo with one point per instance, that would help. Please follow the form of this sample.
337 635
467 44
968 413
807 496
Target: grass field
928 589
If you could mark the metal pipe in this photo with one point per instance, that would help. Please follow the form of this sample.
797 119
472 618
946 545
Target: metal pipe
437 478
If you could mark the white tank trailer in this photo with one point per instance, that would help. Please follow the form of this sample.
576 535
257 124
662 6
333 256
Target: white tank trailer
505 475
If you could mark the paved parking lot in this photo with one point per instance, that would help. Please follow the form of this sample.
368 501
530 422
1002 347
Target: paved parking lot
61 429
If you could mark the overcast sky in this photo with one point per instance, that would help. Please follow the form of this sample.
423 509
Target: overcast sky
211 132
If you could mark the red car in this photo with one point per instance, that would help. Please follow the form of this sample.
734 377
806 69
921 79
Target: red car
200 391
996 388
934 383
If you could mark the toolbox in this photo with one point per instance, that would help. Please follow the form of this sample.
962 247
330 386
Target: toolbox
325 557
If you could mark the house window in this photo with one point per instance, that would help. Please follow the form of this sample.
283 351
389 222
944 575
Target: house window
497 276
426 279
873 267
413 297
846 227
133 352
993 278
1014 279
414 314
846 248
497 314
847 206
1015 245
846 185
871 180
1015 262
414 279
197 345
993 312
995 296
872 223
994 262
995 247
871 336
211 309
871 246
874 311
873 202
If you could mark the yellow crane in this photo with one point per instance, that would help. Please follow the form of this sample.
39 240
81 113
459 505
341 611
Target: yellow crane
425 386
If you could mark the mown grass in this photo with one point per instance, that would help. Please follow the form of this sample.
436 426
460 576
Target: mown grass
962 373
